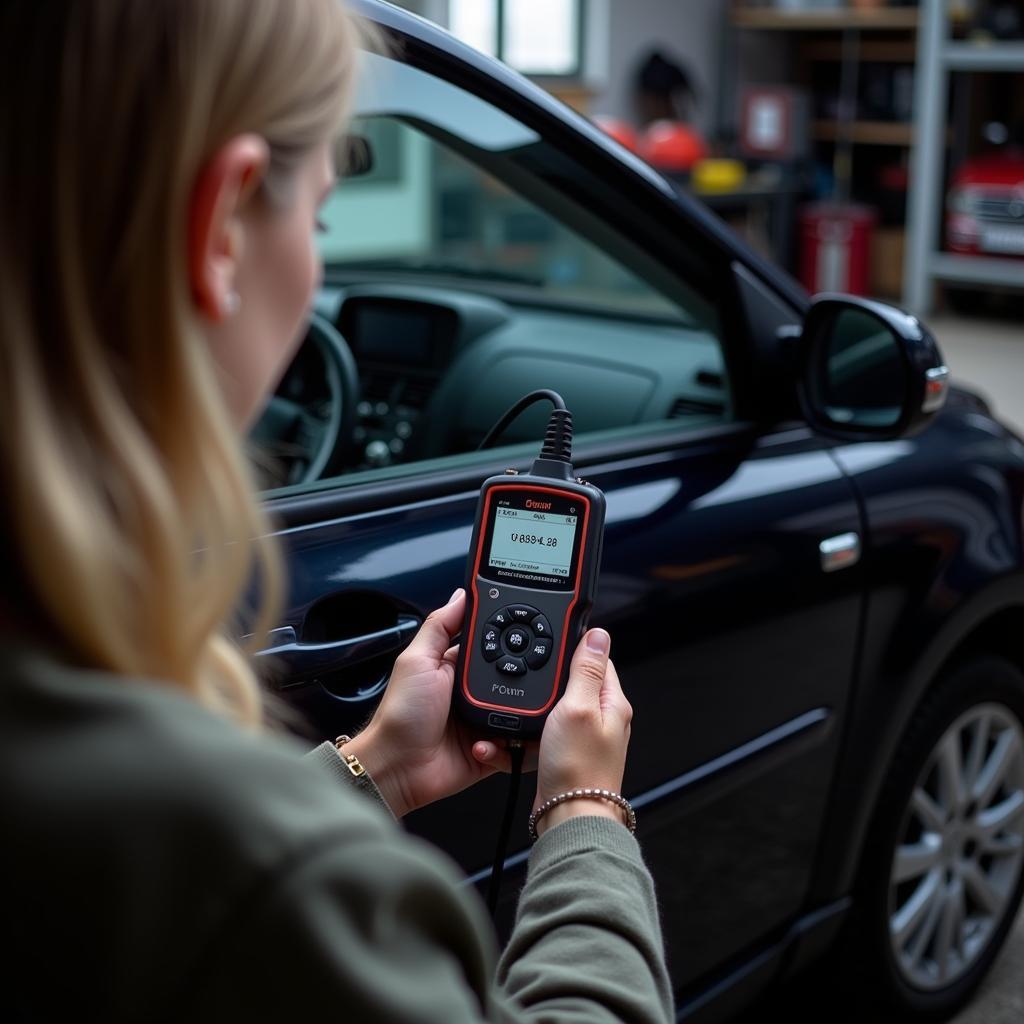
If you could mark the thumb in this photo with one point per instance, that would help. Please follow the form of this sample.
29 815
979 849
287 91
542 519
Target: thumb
588 667
435 635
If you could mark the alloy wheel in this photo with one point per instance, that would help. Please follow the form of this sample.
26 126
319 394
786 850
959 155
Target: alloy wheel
960 848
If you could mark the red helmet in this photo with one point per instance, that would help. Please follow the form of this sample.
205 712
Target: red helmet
621 131
672 146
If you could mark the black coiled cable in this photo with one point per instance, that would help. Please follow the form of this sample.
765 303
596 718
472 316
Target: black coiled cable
518 752
543 395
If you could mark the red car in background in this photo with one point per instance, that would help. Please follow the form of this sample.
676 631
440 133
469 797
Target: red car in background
985 215
985 206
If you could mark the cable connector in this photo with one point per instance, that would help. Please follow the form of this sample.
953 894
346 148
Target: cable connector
555 459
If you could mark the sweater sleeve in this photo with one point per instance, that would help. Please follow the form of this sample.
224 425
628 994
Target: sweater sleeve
326 757
611 921
376 926
587 943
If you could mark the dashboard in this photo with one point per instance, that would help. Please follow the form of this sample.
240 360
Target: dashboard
437 367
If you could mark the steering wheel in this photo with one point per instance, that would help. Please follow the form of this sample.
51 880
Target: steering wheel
307 430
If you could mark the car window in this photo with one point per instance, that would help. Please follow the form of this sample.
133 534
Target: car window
461 273
425 210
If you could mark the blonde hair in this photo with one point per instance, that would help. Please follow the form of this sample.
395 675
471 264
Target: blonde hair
130 511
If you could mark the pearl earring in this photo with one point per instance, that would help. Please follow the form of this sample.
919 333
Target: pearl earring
232 303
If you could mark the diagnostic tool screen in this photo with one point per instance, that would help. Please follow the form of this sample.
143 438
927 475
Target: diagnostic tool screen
529 541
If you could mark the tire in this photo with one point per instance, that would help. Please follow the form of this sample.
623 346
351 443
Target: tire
876 955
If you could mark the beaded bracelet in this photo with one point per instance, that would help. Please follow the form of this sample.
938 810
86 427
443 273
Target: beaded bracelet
583 794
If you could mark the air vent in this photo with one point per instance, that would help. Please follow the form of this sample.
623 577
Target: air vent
694 407
709 378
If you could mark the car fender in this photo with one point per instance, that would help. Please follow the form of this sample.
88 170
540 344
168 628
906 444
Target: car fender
934 592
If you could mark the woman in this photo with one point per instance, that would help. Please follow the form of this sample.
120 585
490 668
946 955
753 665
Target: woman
161 168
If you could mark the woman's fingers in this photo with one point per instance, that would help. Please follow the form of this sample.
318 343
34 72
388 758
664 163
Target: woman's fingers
594 683
499 758
588 669
613 700
435 635
585 737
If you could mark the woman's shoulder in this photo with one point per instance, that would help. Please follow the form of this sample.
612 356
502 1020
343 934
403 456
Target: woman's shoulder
102 752
167 836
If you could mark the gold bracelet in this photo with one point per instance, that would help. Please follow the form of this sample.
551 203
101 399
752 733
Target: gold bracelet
585 794
354 765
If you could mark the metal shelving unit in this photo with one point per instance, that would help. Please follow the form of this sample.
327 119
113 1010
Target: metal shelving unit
925 263
987 57
875 133
812 20
848 36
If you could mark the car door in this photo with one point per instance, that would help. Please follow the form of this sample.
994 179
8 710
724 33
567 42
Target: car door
736 648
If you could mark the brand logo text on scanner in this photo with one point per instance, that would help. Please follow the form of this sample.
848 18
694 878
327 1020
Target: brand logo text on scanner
530 503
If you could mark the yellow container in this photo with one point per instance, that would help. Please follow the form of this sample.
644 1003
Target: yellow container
717 175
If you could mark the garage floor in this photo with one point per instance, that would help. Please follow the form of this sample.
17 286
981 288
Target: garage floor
988 354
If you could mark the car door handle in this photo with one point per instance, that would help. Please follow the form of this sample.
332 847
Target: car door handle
301 661
840 552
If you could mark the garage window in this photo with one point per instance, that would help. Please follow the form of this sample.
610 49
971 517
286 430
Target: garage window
507 29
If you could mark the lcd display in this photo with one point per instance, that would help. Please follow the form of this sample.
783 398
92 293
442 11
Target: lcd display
387 333
528 541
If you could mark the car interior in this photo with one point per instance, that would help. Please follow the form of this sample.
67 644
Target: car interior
457 278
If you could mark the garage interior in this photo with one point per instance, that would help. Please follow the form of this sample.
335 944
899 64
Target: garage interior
874 147
797 121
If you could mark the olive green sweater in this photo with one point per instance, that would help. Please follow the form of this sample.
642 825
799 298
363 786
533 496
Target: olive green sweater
161 864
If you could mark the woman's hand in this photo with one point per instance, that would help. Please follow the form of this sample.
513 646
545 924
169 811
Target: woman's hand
586 735
414 750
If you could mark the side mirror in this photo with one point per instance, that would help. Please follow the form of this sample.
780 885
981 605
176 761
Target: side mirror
868 371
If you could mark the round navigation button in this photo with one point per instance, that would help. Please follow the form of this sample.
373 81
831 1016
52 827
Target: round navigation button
516 639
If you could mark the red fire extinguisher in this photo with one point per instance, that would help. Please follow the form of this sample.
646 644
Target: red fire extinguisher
835 249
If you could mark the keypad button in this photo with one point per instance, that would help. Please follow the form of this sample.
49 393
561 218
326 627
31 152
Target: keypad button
517 639
538 652
491 649
491 633
500 619
521 612
540 626
510 666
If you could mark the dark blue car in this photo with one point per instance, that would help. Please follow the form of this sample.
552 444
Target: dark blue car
812 570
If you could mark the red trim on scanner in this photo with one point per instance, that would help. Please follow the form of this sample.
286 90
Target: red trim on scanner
575 496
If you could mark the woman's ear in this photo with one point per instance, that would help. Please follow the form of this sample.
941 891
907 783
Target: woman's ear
216 234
